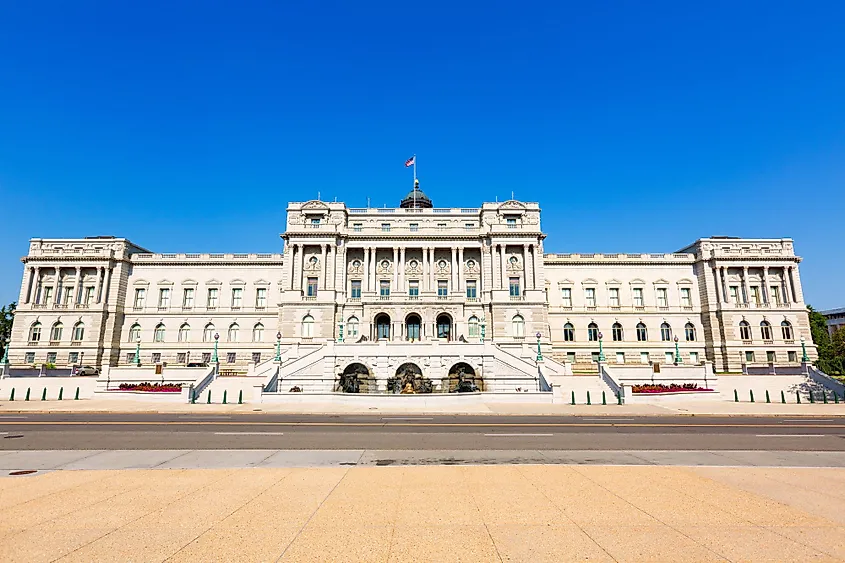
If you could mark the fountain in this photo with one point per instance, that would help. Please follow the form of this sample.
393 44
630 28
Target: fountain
409 380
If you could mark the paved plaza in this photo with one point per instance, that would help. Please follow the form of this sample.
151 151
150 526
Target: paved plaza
434 513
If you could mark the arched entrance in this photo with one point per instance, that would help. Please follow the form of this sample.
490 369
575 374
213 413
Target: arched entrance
464 379
382 326
356 378
409 379
413 323
444 326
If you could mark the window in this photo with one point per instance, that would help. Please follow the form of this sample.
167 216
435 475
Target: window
665 332
158 334
89 295
385 227
566 296
469 226
48 295
442 288
745 330
29 358
130 357
689 332
156 357
755 294
256 357
261 297
642 332
749 357
315 222
620 357
311 290
511 222
734 291
56 332
51 357
644 358
441 225
513 284
237 297
231 357
414 227
472 324
590 296
35 332
774 294
613 294
770 357
570 358
206 357
669 357
212 298
595 357
518 326
140 296
384 288
185 333
593 332
686 297
181 358
693 358
791 356
68 296
471 289
258 332
638 297
208 333
135 333
357 227
78 332
616 332
766 330
662 297
232 335
163 298
356 289
786 329
352 327
568 333
188 298
414 288
308 326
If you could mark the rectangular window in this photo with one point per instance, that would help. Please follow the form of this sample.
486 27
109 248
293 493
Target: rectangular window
356 289
206 357
231 357
791 356
181 358
614 296
590 296
620 357
755 294
662 297
469 226
638 297
261 297
68 296
89 295
414 288
644 357
770 357
130 357
256 357
511 222
384 288
237 297
414 227
315 222
749 357
734 292
48 295
442 288
163 298
140 296
595 357
356 227
156 357
471 289
774 294
212 298
514 287
686 297
72 358
188 298
385 227
51 357
29 357
566 296
693 358
670 357
441 225
570 357
311 288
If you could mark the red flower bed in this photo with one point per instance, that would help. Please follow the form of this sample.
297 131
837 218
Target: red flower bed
152 387
662 388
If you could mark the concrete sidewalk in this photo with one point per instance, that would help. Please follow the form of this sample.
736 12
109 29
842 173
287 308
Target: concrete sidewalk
476 513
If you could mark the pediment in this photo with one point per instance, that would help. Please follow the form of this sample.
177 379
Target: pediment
661 281
140 282
261 282
512 205
315 205
589 281
213 282
189 282
164 282
637 281
565 282
685 281
613 282
237 281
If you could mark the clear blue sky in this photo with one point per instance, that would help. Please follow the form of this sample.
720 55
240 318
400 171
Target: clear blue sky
639 127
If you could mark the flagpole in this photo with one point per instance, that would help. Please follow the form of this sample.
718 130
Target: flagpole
415 170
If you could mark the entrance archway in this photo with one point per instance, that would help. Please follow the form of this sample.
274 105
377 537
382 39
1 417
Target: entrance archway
409 379
382 326
462 378
413 323
444 326
356 378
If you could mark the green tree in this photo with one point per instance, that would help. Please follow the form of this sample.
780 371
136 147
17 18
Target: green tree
821 338
7 314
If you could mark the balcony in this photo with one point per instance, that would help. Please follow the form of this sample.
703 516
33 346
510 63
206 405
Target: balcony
187 307
39 306
472 300
384 297
413 297
60 306
310 298
517 298
82 305
442 297
76 343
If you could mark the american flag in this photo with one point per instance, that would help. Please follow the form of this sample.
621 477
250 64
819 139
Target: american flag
411 161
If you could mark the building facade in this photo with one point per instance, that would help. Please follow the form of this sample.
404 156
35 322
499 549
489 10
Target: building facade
415 274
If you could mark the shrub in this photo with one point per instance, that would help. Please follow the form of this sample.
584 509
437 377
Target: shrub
663 388
152 387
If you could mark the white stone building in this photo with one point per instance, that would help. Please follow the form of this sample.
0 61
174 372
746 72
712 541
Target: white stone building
415 282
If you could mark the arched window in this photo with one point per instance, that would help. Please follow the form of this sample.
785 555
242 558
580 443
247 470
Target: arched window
185 333
258 332
665 332
786 329
307 326
78 332
232 335
642 332
35 332
472 325
745 330
518 325
568 333
56 332
689 332
208 333
766 330
158 335
352 327
616 332
593 332
135 333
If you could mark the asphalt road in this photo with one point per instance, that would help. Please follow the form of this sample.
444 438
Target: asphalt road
396 432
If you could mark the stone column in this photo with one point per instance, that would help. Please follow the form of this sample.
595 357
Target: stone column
432 282
526 267
794 285
324 265
402 283
32 287
101 273
461 281
107 288
395 269
725 289
291 260
373 269
764 286
503 249
537 265
747 292
718 285
453 272
78 290
58 297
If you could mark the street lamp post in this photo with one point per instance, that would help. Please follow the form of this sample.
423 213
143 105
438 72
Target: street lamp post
278 347
214 358
5 341
483 328
340 332
678 359
601 349
804 357
137 360
539 352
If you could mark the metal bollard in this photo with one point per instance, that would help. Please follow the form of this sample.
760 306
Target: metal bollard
588 398
835 398
603 400
61 392
751 393
193 395
736 396
767 396
798 397
241 397
12 396
573 397
812 399
824 396
44 394
76 397
208 400
225 391
782 397
27 394
618 398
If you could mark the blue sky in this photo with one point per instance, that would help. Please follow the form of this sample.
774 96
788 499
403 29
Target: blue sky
639 127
